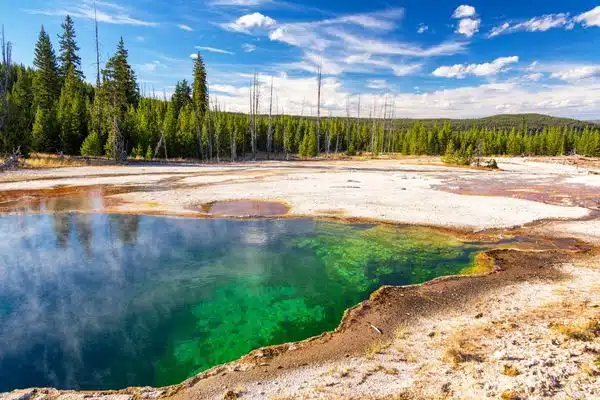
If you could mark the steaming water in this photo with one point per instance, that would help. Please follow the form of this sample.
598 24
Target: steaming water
93 301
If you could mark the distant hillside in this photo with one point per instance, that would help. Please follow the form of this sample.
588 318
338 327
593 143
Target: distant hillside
506 121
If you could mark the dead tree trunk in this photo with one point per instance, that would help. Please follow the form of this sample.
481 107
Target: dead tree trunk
270 131
372 116
319 79
99 108
4 79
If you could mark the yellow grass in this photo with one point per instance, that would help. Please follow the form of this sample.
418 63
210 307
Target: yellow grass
510 370
38 160
585 331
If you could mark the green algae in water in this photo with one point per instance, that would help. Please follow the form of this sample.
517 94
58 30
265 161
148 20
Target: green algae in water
97 301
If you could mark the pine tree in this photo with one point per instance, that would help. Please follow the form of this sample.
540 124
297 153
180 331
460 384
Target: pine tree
68 51
119 80
71 114
181 96
43 129
200 94
20 116
46 87
120 97
91 147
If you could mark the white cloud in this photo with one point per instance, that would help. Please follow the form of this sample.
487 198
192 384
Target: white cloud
406 69
374 46
461 71
377 84
149 67
239 3
463 11
194 56
398 69
422 28
248 47
577 73
185 27
589 18
112 14
247 23
534 77
297 95
535 24
214 50
468 26
140 38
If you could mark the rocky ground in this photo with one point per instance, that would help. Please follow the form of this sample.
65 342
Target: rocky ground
528 330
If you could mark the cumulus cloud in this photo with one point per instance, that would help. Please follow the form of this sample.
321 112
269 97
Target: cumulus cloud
589 18
247 23
422 28
463 11
535 24
461 71
468 26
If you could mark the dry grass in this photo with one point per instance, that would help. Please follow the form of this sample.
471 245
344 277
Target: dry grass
463 348
584 332
510 395
38 160
230 395
589 370
377 347
510 370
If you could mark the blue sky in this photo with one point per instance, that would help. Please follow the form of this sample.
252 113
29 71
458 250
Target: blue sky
427 58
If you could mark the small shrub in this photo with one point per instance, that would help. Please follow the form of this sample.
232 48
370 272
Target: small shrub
149 154
584 332
510 370
91 146
510 395
491 164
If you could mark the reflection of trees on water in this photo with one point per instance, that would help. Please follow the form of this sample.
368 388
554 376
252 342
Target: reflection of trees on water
84 228
127 227
62 227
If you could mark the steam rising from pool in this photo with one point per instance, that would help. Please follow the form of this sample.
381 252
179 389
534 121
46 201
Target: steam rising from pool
93 301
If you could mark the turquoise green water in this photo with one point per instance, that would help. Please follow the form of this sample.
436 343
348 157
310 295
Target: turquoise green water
109 301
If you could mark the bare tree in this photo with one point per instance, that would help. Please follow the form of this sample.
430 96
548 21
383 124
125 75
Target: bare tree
254 110
163 142
319 81
4 78
99 108
347 126
218 128
270 130
372 117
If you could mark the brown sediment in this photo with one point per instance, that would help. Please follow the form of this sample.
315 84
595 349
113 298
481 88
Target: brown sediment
245 208
545 191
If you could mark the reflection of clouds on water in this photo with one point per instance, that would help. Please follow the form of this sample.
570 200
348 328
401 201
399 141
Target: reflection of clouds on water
76 289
